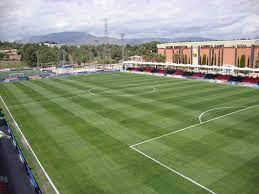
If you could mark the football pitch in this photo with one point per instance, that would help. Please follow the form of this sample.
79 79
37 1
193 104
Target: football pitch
131 133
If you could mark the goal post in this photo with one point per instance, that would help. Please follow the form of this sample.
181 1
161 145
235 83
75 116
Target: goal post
13 75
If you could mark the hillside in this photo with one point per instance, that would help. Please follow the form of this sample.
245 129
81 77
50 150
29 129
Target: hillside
79 38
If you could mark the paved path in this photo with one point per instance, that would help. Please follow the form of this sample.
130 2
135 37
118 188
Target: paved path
12 168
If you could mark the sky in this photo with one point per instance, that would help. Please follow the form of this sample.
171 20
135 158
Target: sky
218 19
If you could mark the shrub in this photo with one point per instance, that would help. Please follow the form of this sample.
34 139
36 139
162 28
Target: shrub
204 60
257 62
242 61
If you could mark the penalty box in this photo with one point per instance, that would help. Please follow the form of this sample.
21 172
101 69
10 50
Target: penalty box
212 155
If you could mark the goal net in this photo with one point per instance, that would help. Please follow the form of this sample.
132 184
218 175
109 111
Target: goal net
13 75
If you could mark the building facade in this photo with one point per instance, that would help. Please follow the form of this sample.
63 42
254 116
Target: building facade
136 58
239 53
11 55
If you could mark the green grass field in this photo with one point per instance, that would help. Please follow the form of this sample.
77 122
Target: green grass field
82 129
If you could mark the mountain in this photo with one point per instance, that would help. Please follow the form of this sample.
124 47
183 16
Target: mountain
70 38
79 38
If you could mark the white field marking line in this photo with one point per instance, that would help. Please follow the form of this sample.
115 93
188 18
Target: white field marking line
99 80
55 99
22 83
92 93
189 127
44 171
176 172
227 107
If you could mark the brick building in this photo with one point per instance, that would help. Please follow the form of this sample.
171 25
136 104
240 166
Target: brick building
240 53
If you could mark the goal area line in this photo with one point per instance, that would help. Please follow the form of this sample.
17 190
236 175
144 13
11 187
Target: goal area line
186 128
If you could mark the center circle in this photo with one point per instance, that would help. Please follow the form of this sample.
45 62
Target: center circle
128 90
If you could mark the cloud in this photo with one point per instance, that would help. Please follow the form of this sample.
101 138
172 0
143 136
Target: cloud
218 19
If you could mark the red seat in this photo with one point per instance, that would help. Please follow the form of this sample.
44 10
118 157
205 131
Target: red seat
148 70
162 71
197 75
179 72
251 80
223 77
3 185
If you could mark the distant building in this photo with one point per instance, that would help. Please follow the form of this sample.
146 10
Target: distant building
52 45
136 58
12 55
240 53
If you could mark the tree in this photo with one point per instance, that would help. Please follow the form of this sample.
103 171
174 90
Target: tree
155 57
219 59
176 57
46 56
2 56
242 61
257 62
212 58
204 60
185 59
29 54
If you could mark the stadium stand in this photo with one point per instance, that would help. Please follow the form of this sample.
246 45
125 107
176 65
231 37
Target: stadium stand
236 79
15 174
154 70
179 72
176 72
149 70
223 77
162 71
217 77
209 76
250 80
198 75
3 185
170 71
188 74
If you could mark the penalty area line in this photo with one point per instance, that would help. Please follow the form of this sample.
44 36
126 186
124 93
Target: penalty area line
219 108
192 126
176 172
35 156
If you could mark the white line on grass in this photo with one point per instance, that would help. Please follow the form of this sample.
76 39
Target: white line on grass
189 127
227 107
17 126
74 96
111 90
178 173
55 99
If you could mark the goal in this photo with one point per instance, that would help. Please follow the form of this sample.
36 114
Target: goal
13 75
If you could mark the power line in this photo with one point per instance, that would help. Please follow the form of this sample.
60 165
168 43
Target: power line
106 40
122 45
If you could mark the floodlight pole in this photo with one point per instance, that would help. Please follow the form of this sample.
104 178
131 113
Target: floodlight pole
106 40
